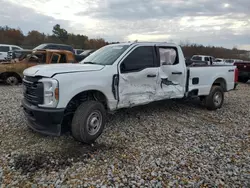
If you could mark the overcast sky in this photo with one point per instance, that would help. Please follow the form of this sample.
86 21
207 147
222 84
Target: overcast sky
209 22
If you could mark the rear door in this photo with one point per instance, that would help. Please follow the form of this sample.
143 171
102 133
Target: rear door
137 77
4 51
172 73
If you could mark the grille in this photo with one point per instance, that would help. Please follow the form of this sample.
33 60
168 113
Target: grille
33 90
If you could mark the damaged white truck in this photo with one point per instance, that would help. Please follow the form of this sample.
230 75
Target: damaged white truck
76 97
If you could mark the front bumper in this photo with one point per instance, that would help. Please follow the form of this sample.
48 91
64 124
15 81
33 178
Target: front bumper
45 121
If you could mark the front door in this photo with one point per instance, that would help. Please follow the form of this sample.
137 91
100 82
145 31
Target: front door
138 77
172 73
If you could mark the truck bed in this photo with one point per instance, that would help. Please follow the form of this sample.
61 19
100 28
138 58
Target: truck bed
201 78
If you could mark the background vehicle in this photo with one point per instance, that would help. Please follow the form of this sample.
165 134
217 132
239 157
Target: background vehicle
78 51
84 54
244 71
12 71
116 76
54 46
208 59
4 48
232 61
18 54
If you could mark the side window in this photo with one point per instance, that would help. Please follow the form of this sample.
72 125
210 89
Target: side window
4 48
15 48
168 56
55 58
141 58
198 58
206 59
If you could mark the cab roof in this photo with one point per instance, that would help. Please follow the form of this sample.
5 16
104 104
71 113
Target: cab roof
146 43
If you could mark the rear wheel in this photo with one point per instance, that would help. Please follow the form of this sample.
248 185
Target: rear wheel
88 121
215 98
11 80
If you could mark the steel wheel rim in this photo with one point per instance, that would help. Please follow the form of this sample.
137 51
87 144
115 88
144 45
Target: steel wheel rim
12 80
217 98
94 122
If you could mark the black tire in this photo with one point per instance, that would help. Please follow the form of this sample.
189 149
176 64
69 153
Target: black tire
215 98
80 126
243 79
12 80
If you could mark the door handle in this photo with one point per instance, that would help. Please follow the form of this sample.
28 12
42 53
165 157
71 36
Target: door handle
176 72
151 75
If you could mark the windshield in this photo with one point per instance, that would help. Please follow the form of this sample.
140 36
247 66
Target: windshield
106 55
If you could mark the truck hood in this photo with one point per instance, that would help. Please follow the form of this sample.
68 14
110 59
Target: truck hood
51 69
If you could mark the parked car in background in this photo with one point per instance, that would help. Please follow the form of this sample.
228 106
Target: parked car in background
232 61
5 48
18 54
208 59
87 52
11 72
12 54
116 76
84 54
219 60
244 70
194 63
55 46
78 51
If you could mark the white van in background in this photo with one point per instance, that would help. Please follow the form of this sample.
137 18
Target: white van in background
4 48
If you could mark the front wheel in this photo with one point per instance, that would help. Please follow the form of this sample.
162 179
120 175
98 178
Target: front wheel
11 80
215 98
88 121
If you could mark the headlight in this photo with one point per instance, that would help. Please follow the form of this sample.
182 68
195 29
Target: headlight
51 92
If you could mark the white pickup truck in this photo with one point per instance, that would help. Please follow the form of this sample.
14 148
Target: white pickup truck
78 96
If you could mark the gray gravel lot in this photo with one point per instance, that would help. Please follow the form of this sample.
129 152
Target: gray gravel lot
165 144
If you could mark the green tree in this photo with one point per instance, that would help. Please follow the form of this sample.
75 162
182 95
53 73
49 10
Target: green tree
60 33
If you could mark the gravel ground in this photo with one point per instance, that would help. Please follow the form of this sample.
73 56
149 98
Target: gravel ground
165 144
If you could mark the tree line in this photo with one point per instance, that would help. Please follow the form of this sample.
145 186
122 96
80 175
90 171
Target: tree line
59 35
34 38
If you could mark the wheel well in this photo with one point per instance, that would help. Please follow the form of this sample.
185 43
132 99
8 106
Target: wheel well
7 74
78 99
221 82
